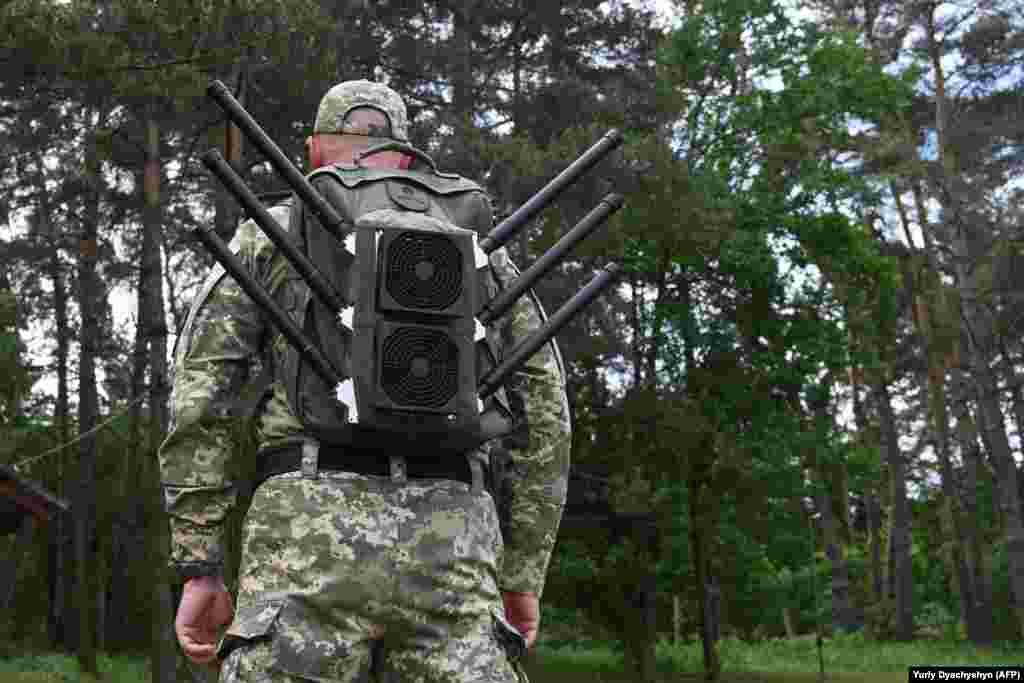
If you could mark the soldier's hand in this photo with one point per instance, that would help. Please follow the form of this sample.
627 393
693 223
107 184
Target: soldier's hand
523 611
205 606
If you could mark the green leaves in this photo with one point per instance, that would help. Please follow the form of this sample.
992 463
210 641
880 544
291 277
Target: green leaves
744 226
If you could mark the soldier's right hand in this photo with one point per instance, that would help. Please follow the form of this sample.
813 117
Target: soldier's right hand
205 606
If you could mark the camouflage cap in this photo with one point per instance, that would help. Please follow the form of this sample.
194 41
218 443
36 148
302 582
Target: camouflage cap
346 96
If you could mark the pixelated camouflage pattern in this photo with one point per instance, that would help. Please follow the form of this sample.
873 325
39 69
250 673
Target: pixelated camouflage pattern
347 572
343 97
541 480
217 354
220 352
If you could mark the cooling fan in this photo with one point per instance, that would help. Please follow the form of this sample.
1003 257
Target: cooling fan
419 367
423 272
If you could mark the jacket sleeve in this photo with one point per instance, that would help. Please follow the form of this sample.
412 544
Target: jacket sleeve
215 356
541 469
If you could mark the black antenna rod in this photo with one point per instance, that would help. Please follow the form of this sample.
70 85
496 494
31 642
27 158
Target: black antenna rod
328 295
496 307
309 352
547 194
328 216
496 377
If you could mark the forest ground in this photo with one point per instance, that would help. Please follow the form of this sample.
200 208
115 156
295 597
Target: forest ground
849 659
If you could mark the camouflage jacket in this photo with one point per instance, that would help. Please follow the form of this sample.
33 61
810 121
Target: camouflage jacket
227 342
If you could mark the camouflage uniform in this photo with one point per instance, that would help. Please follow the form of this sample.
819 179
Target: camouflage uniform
341 572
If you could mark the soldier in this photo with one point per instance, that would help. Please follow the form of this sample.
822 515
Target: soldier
352 567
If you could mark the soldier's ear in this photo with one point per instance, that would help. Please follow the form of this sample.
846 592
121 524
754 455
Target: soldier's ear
316 156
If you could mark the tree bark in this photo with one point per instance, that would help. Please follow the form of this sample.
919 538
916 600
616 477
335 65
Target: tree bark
1015 381
463 100
951 191
152 285
841 612
875 531
61 607
900 579
874 512
712 665
951 513
90 291
1006 476
13 564
61 610
636 305
677 620
153 323
830 500
977 555
229 138
926 318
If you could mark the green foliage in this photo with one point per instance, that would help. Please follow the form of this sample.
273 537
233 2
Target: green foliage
17 379
847 658
750 208
1006 625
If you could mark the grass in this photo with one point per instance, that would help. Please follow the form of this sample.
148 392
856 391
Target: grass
59 668
848 659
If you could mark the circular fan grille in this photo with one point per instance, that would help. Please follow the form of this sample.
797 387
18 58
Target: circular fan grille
419 367
424 271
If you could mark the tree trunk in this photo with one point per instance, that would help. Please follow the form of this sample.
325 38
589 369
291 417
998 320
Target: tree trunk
463 100
874 512
713 607
229 138
1015 381
556 46
642 647
153 321
11 567
636 305
61 606
952 515
698 534
152 286
832 501
841 612
101 609
951 192
677 621
926 320
900 579
875 531
90 291
981 631
1006 476
654 351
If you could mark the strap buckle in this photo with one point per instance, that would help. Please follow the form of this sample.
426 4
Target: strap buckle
310 459
399 475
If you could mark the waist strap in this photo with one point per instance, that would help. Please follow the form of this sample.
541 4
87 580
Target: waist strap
275 461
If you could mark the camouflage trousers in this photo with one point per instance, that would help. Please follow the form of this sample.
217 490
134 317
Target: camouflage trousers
351 578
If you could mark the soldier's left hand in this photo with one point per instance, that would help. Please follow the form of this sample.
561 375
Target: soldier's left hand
523 611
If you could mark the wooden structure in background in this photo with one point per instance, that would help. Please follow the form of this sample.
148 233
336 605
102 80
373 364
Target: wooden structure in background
24 507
